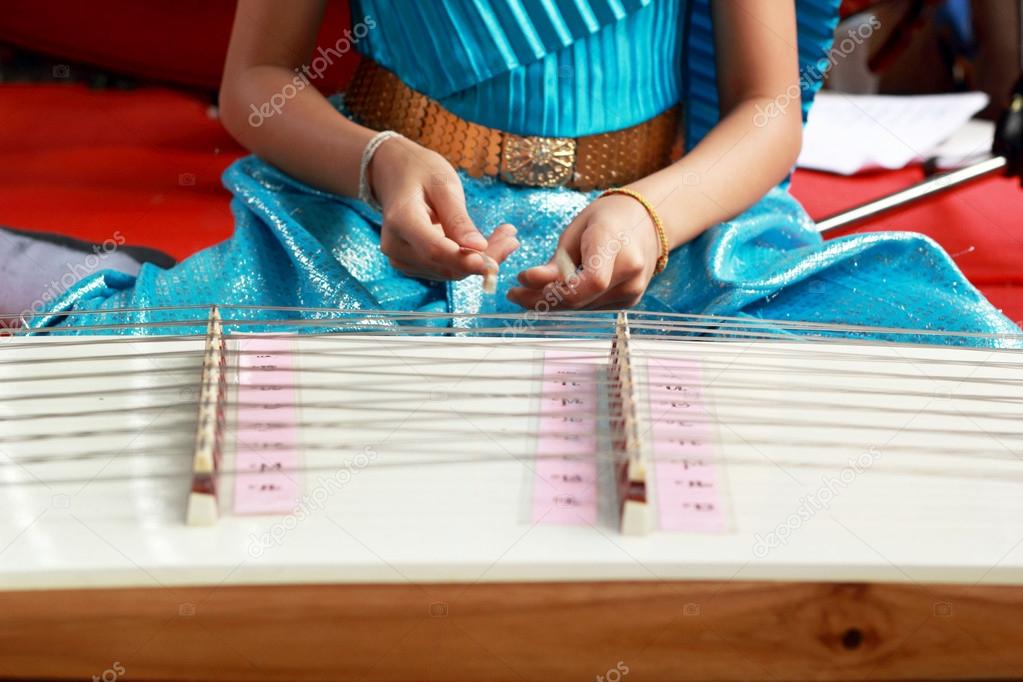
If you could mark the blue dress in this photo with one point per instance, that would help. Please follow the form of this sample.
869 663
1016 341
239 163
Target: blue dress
559 68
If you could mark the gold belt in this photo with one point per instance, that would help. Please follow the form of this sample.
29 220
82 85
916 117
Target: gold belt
379 100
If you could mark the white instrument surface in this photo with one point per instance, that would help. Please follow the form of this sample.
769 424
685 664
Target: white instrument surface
921 449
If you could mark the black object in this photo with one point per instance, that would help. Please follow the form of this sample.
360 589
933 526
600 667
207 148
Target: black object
1009 134
143 254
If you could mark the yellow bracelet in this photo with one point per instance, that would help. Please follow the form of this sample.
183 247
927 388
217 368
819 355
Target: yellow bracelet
662 261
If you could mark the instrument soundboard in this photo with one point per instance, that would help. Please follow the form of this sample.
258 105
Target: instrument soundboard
661 468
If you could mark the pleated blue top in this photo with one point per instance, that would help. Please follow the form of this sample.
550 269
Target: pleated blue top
560 68
567 68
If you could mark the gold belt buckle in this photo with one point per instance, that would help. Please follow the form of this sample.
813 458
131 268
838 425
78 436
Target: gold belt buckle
537 161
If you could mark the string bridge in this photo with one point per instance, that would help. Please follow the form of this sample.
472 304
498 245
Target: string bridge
631 469
209 431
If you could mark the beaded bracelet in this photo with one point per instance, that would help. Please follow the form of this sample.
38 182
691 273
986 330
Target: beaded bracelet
365 191
662 260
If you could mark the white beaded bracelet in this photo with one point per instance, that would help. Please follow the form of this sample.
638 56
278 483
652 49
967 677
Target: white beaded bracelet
365 191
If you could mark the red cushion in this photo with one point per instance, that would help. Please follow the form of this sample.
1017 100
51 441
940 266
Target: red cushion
89 163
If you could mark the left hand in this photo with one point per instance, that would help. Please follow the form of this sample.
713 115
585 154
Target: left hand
614 242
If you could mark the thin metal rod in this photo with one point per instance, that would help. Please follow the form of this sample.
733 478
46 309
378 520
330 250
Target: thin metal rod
445 435
999 474
565 334
425 394
351 349
398 373
578 321
719 400
910 195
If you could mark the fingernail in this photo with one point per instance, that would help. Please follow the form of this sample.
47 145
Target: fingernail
489 263
480 257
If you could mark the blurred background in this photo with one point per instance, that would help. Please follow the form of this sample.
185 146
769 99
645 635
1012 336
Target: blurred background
108 122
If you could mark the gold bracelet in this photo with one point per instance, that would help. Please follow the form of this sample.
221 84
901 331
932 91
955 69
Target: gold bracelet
662 261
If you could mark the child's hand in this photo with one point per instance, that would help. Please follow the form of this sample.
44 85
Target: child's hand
614 242
425 222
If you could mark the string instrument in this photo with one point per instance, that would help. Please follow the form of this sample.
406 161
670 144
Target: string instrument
258 494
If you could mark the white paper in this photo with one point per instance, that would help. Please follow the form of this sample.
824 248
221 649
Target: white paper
970 144
847 134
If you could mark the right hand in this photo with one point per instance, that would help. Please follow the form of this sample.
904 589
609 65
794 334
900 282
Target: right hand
426 225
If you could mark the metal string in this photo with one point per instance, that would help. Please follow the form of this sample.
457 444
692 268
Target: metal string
640 320
600 457
684 327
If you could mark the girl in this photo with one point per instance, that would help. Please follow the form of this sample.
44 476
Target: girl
630 68
531 141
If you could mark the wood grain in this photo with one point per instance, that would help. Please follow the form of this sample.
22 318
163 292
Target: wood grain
523 631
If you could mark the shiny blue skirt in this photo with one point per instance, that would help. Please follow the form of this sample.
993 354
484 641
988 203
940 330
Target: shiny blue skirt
298 247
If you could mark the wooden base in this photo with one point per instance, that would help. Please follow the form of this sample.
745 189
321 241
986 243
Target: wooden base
543 631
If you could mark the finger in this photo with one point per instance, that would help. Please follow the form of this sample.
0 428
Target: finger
528 298
611 304
570 241
566 266
448 200
502 242
490 269
624 295
540 276
562 263
595 278
560 268
557 294
416 270
550 297
597 259
429 247
406 258
609 300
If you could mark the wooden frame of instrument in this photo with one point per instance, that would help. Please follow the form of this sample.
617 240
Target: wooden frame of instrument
518 631
338 626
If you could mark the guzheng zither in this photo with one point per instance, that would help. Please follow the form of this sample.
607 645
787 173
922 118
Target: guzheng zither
326 494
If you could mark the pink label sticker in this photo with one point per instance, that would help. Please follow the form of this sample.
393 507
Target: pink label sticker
689 496
267 435
565 479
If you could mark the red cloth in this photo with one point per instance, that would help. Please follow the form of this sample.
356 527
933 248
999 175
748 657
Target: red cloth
148 162
179 41
89 163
